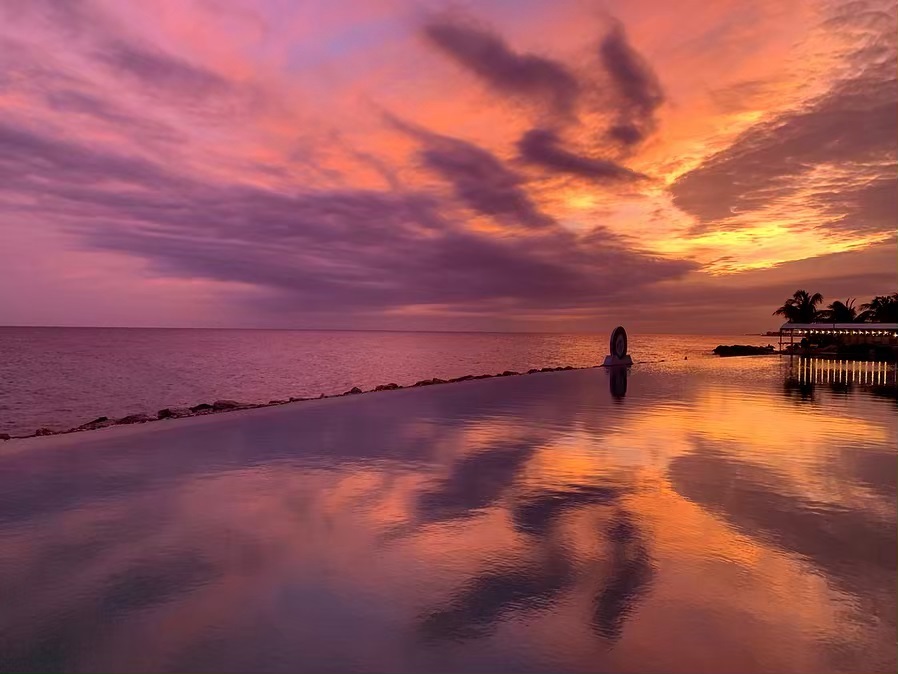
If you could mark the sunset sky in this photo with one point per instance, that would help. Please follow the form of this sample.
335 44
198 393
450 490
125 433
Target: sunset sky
493 165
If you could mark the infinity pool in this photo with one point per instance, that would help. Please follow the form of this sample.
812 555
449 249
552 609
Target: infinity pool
739 517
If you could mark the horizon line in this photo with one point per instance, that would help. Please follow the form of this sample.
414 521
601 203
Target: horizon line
422 331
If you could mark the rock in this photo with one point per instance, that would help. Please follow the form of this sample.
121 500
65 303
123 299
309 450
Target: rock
467 377
533 370
135 419
296 400
202 407
509 373
99 422
742 350
567 367
355 390
44 431
174 413
4 436
430 382
221 405
278 402
387 387
322 396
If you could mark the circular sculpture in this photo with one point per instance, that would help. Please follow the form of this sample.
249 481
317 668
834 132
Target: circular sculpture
618 355
619 343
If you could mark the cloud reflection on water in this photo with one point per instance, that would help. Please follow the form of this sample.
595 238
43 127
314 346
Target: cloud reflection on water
533 523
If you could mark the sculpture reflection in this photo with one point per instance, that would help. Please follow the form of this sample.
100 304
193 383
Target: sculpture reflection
617 382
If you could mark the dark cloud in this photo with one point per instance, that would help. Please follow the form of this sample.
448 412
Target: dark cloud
543 147
314 252
74 102
330 250
72 17
32 162
486 54
630 72
90 31
636 91
626 133
871 207
851 129
636 85
481 181
156 71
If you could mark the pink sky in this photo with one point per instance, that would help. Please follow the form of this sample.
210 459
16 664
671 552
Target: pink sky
492 165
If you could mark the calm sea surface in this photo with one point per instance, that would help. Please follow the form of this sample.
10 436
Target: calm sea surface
691 516
62 377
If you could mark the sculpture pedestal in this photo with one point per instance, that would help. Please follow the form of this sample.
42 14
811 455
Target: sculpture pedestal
613 361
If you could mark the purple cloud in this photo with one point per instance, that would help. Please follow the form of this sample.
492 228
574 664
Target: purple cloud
486 54
31 162
155 70
71 17
543 147
74 102
626 133
481 181
639 92
851 126
329 251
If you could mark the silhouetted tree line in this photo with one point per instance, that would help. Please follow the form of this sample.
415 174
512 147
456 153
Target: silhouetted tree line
802 308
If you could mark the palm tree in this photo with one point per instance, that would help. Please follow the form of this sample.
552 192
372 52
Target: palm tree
839 312
801 307
881 309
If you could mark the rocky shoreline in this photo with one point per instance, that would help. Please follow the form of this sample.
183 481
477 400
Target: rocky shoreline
232 405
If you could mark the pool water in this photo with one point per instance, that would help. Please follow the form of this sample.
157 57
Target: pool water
734 517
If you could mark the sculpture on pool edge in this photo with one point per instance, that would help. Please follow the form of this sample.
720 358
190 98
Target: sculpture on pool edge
619 356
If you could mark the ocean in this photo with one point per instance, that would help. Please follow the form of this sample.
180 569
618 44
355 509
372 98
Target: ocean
59 378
